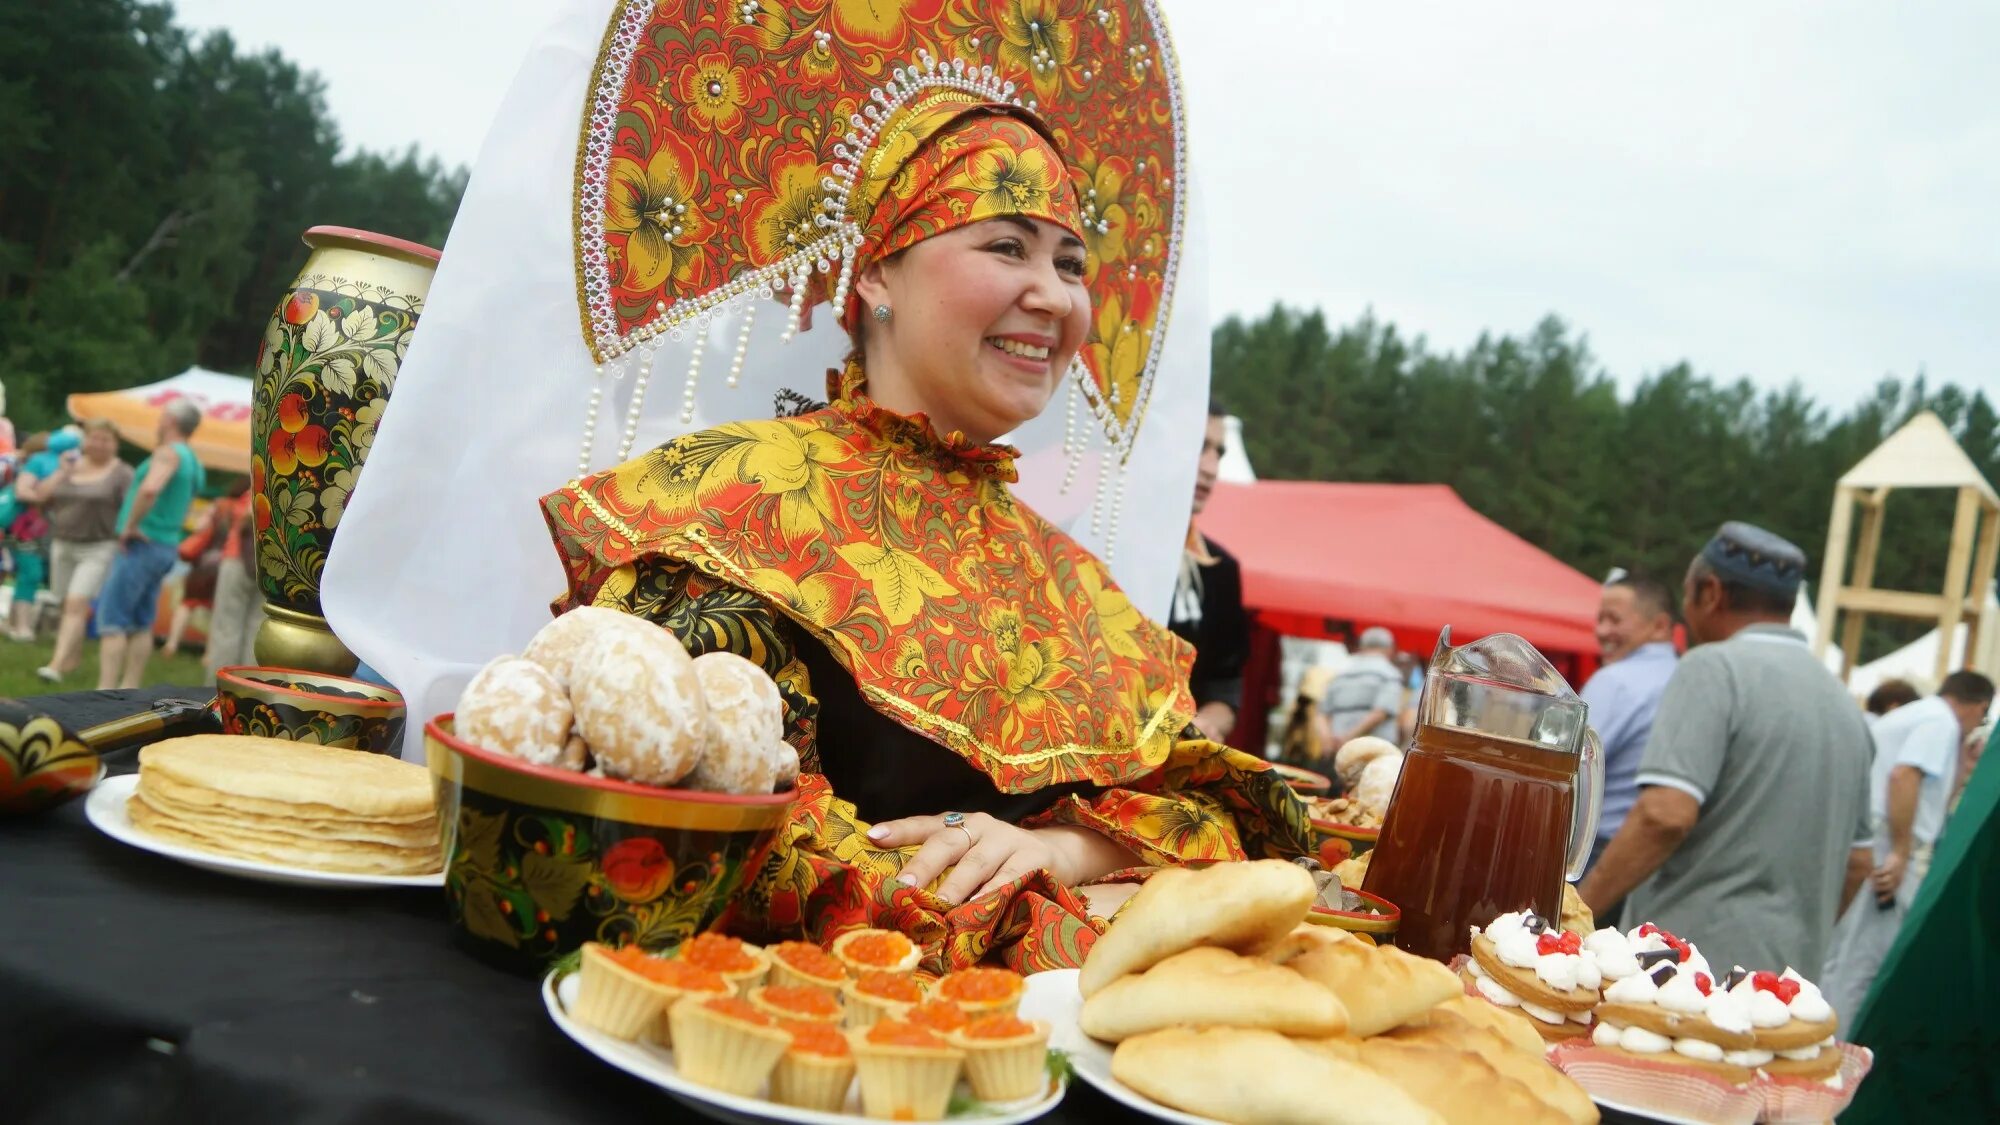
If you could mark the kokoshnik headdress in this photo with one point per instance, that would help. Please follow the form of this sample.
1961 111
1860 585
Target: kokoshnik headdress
727 152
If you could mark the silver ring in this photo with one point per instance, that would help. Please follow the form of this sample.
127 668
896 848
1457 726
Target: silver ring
957 820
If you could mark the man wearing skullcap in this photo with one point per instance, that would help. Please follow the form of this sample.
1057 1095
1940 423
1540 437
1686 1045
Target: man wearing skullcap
1750 832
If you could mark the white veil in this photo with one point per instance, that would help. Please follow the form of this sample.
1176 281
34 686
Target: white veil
442 560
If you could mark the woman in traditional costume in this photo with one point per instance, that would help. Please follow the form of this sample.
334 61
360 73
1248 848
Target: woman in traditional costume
987 727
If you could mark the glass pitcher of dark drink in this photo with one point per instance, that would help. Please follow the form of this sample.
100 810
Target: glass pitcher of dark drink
1497 802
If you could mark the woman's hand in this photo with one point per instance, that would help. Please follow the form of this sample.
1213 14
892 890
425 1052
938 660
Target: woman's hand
984 854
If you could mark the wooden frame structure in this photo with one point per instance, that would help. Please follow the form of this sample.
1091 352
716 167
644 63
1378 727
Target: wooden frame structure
1920 455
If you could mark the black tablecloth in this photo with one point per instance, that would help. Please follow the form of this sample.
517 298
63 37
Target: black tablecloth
136 988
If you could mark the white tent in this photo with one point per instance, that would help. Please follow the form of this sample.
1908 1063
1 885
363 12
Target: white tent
1235 467
1917 661
222 441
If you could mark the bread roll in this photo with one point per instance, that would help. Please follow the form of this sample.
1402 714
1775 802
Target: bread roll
1303 938
1527 1066
638 703
1380 985
1476 1012
1240 906
1355 754
744 717
516 707
1459 1086
556 645
1256 1077
1378 783
1212 988
744 707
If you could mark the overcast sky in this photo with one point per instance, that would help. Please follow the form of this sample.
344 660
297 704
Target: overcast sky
1782 190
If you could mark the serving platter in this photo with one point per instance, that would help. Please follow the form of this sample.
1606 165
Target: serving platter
105 809
655 1064
1060 1002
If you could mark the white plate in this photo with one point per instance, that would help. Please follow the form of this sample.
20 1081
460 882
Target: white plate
105 808
1645 1114
655 1064
1091 1059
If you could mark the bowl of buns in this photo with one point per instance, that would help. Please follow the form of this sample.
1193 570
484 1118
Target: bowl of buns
313 707
605 786
1367 769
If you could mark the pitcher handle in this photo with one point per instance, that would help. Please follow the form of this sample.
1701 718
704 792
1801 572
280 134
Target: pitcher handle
1587 802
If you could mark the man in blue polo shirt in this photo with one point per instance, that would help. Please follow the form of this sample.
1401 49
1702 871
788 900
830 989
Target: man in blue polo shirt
1635 635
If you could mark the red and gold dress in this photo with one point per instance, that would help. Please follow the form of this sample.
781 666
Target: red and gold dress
938 646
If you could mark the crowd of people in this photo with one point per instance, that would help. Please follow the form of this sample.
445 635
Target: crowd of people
93 540
1747 796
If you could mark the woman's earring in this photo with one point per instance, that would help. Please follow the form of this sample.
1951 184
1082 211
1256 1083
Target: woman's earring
882 314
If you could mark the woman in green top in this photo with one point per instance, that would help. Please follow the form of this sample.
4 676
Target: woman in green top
149 536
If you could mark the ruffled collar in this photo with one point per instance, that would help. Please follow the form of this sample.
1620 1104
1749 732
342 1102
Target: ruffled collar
846 390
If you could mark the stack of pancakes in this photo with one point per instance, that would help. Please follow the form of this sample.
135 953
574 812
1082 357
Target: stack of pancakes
289 803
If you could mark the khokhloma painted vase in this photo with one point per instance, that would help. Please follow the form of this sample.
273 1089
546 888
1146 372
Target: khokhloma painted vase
325 369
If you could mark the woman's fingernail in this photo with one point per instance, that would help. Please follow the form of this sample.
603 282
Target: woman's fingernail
907 880
877 832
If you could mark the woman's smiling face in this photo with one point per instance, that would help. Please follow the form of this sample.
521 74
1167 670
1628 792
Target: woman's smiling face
984 322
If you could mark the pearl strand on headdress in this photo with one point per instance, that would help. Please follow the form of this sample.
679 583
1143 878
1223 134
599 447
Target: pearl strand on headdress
742 343
590 421
694 371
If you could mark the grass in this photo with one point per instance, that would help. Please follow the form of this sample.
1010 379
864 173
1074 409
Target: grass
19 659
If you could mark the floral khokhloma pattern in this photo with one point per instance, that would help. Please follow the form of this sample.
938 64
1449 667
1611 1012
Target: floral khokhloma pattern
528 885
40 764
325 368
714 128
377 734
960 614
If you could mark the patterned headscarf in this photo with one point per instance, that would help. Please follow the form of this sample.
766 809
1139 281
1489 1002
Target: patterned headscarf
947 163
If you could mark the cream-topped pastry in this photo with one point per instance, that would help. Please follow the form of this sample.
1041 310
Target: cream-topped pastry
1676 1012
1519 960
1802 1043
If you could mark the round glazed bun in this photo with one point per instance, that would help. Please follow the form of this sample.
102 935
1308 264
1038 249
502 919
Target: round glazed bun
744 716
1355 754
743 704
638 702
514 706
1378 783
556 645
785 760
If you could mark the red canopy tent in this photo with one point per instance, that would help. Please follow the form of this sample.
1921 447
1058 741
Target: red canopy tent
1329 559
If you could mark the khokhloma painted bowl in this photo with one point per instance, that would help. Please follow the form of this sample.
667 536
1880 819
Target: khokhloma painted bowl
309 707
41 764
539 860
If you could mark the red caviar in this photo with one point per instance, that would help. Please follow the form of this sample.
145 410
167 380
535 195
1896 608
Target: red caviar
717 952
877 947
800 1000
899 1033
974 986
999 1027
889 986
938 1015
816 1038
809 960
679 974
737 1008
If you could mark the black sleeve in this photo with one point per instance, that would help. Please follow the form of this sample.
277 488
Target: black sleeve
1225 633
